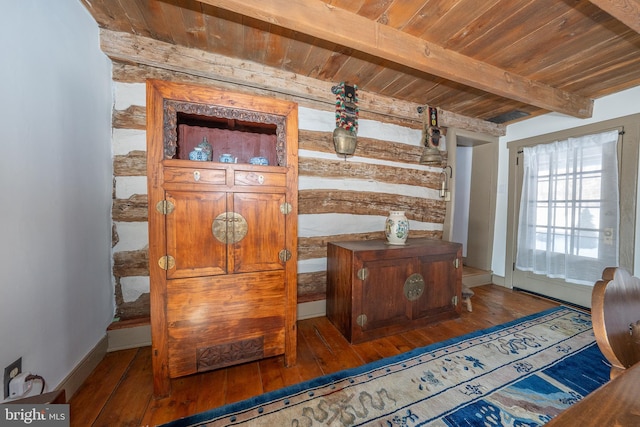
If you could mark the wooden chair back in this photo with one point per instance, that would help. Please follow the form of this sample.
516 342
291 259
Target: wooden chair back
615 312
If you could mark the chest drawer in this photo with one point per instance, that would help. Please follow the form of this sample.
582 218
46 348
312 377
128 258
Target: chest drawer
267 179
194 176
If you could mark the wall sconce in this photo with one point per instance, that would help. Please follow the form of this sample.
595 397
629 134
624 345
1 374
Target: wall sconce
444 190
347 111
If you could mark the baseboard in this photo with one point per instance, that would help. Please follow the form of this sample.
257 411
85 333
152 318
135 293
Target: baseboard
499 280
133 337
308 310
81 372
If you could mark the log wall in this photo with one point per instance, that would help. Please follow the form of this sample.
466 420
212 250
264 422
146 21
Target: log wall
338 199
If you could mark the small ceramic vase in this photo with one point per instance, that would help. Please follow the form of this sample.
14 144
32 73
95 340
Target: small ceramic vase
396 228
198 155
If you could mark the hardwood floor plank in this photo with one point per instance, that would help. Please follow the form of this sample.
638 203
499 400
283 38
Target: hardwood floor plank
332 350
212 390
307 366
128 403
87 403
243 382
270 373
119 391
181 402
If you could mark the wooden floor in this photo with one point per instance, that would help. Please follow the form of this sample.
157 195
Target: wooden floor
119 391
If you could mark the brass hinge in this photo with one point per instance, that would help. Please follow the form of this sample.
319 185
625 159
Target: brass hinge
456 263
167 262
363 273
165 207
284 255
286 208
454 300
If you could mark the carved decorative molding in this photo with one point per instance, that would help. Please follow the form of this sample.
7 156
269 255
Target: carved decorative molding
219 356
170 123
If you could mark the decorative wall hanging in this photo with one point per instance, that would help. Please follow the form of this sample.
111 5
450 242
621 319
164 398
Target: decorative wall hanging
431 137
345 133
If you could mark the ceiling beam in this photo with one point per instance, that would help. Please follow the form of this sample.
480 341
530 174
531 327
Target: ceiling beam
625 11
129 48
327 22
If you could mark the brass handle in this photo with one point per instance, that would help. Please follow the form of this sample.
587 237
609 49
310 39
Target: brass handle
414 287
229 227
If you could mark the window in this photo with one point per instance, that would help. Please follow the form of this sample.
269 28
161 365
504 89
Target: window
569 219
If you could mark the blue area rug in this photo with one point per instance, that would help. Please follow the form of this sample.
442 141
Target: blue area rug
522 373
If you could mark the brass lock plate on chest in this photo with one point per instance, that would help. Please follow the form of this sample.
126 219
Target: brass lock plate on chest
229 227
414 287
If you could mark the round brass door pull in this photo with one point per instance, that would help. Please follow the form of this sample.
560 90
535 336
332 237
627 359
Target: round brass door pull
229 227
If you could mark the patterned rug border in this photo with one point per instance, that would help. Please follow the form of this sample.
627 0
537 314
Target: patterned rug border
322 381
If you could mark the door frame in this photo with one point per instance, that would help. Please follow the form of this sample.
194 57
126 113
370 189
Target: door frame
484 188
628 152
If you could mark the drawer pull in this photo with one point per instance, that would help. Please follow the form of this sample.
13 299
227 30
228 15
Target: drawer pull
196 175
363 273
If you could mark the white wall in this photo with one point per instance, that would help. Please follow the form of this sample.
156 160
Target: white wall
56 294
464 162
618 105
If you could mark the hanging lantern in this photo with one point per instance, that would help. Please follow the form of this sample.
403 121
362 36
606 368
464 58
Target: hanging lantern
431 136
345 133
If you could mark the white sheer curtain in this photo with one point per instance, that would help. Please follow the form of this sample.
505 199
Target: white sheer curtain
569 217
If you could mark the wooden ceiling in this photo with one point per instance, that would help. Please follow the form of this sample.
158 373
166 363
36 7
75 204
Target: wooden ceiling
476 58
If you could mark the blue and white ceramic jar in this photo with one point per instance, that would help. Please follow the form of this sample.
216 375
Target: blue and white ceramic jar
259 161
396 228
227 158
198 155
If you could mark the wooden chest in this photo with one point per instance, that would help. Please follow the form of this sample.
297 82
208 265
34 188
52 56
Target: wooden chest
375 289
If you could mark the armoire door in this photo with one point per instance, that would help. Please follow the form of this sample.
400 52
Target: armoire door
190 234
258 246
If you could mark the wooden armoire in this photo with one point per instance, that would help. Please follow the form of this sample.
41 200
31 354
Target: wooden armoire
222 235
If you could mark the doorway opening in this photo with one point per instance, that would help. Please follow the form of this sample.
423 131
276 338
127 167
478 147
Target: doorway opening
471 214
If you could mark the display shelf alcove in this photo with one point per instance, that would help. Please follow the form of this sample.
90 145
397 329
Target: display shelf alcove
222 236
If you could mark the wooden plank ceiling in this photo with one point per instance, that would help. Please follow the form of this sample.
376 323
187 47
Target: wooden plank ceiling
478 59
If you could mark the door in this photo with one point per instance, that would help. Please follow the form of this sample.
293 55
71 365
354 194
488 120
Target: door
442 279
260 247
190 231
381 294
627 175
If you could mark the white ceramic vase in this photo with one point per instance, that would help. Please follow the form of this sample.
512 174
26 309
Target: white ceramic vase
396 228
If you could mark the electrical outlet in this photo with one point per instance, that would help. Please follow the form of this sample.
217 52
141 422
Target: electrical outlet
10 372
